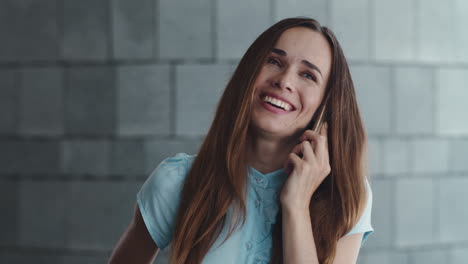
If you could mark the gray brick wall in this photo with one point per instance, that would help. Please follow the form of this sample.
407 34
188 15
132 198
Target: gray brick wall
94 94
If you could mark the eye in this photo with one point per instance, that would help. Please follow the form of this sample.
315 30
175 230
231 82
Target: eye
272 60
310 76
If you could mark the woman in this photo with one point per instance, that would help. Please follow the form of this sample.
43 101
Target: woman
264 187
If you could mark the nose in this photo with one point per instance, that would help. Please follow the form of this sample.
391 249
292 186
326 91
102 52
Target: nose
284 80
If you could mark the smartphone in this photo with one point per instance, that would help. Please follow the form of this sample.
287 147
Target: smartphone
318 120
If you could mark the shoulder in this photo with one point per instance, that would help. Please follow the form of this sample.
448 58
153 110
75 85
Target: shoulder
171 171
159 196
179 159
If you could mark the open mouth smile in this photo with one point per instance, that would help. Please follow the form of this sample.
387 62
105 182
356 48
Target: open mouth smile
275 105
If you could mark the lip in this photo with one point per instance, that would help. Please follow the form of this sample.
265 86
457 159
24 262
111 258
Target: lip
279 98
273 109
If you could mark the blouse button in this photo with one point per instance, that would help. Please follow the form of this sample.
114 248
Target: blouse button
248 245
259 180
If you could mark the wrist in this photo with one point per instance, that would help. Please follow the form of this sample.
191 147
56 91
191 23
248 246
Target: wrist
295 210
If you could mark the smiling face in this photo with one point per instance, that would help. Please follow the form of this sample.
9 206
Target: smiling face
291 82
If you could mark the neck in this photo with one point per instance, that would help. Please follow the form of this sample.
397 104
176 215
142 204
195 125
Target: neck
267 153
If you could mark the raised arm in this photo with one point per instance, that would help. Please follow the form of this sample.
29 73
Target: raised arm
135 245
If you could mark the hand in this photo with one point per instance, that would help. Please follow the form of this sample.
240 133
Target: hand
308 172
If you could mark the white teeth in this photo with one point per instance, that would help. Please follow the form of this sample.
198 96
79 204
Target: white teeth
277 102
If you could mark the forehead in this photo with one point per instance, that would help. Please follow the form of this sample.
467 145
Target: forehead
302 43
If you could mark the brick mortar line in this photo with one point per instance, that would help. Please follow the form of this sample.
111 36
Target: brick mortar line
67 177
55 250
419 136
113 62
118 62
417 248
421 64
421 175
96 252
65 136
133 176
434 246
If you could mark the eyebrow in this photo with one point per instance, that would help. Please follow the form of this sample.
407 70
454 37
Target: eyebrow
305 62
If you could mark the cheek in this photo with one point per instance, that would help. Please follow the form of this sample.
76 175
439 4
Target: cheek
310 113
309 98
262 76
260 81
311 106
257 86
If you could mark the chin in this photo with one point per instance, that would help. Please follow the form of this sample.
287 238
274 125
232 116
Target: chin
269 127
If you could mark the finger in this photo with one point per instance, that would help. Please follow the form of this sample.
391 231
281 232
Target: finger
307 151
297 150
313 137
310 134
294 159
304 151
320 143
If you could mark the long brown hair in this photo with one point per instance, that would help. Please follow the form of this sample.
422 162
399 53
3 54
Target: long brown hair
218 176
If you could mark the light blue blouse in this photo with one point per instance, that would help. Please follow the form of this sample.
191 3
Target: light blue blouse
159 197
